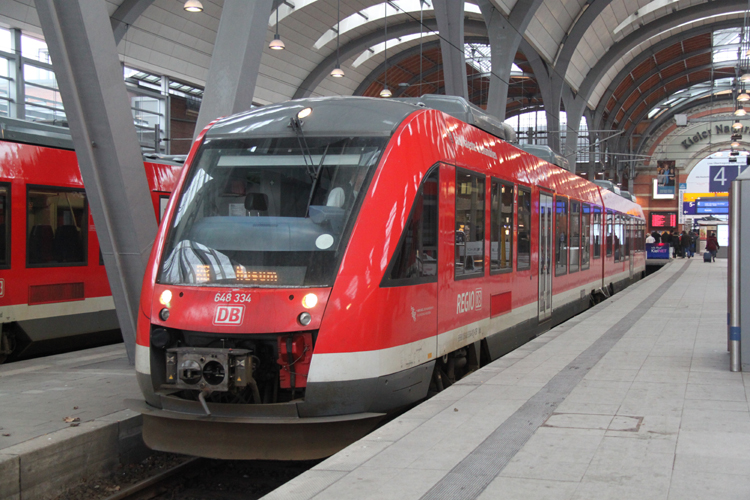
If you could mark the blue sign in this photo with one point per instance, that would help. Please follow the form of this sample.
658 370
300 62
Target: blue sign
688 208
720 177
712 207
683 186
657 251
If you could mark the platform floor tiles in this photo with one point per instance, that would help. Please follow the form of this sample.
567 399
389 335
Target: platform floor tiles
37 395
631 400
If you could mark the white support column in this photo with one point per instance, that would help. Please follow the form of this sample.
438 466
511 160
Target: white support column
84 55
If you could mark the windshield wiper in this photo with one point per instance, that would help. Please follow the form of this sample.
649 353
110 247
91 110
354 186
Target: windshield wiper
296 125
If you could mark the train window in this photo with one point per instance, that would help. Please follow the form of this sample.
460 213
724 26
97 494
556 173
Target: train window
561 236
56 228
627 234
608 231
523 257
596 228
415 259
4 225
501 227
575 236
585 236
617 243
469 255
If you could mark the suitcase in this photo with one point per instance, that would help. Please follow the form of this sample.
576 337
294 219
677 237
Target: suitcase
706 256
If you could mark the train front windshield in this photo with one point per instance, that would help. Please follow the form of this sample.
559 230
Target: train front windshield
267 212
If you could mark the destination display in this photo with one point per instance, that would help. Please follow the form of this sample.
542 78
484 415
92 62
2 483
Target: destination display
663 219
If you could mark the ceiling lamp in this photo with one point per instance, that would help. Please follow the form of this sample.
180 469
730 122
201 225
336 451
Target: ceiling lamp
745 78
386 92
337 71
193 6
743 97
276 43
735 144
740 111
737 125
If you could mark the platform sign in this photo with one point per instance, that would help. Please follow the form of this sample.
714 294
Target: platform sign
657 251
720 177
712 207
688 208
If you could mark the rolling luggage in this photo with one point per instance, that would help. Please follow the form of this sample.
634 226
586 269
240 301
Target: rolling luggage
706 256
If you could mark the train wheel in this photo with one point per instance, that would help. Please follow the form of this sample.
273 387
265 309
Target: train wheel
7 345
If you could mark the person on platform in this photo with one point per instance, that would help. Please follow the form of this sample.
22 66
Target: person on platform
650 240
674 240
685 242
712 246
657 237
694 241
666 237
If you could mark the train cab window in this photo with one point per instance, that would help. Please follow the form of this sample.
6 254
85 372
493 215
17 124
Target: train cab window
469 255
501 227
4 225
596 230
585 236
608 231
561 236
57 223
575 236
415 259
523 258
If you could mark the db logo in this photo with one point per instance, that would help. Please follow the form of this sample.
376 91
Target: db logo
229 315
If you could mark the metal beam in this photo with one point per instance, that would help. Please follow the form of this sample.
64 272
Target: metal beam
654 49
450 20
617 51
126 15
235 62
97 106
356 46
541 74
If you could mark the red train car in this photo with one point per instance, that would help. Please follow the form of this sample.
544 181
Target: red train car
329 261
53 285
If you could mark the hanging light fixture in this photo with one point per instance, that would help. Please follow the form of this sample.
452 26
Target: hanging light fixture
386 92
193 6
740 111
737 125
337 71
743 97
276 43
745 78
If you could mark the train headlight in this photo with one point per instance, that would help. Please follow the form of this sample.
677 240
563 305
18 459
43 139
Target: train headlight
304 318
165 298
164 314
304 113
309 301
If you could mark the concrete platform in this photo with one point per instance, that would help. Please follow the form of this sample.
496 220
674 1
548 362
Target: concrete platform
632 399
41 454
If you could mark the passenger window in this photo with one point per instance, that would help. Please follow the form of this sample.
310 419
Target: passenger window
597 231
415 259
585 236
57 224
561 236
523 259
501 227
610 229
618 237
469 255
575 235
4 225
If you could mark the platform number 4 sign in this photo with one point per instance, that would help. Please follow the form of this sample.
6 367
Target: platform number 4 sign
721 177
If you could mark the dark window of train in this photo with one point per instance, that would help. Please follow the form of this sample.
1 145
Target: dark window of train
617 243
575 236
608 231
415 259
561 236
57 223
585 236
4 225
469 255
501 227
523 257
597 231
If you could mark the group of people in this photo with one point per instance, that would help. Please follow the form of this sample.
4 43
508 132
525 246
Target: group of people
684 244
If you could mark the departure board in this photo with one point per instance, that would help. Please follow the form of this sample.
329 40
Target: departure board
663 219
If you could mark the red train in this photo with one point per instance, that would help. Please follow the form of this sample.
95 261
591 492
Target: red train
53 286
329 261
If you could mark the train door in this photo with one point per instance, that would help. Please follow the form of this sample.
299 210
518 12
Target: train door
631 242
546 247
